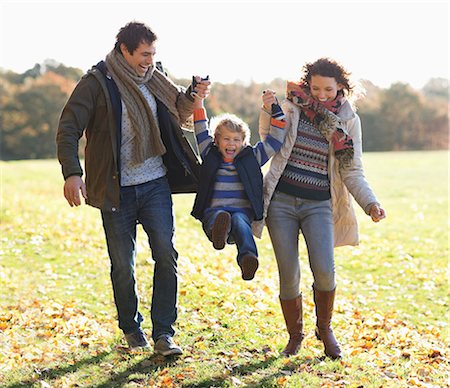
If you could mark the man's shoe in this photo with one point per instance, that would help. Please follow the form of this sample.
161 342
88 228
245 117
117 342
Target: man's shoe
137 339
249 264
165 346
221 229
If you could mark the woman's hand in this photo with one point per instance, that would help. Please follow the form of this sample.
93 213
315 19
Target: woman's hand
268 98
377 213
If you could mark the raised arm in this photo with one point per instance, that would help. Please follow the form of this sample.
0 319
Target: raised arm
202 135
268 98
274 137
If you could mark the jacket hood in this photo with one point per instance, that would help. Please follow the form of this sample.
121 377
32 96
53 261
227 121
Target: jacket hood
346 112
100 66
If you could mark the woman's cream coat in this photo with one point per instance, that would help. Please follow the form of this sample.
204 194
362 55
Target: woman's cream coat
342 183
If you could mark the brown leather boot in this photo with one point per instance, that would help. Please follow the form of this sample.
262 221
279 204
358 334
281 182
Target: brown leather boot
221 230
293 316
249 264
324 301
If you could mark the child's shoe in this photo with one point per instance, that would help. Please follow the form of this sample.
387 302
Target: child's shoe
221 229
249 264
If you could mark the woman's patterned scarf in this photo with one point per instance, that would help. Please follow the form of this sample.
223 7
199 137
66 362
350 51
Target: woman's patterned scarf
324 118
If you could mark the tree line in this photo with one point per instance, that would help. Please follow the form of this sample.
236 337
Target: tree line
395 118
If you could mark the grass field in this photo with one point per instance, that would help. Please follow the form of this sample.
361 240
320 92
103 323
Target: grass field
57 317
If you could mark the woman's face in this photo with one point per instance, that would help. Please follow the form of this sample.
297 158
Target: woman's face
324 88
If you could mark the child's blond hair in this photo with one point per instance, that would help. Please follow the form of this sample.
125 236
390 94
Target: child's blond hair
232 123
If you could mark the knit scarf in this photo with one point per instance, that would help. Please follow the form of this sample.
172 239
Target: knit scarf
324 117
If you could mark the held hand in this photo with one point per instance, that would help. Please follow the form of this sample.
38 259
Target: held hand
72 187
377 213
268 98
201 87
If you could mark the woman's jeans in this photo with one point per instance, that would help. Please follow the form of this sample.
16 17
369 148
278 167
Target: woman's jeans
288 216
241 232
149 204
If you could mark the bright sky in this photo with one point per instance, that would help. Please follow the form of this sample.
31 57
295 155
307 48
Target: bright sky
384 41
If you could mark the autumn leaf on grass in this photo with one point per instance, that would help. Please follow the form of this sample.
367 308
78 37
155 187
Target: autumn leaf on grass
41 333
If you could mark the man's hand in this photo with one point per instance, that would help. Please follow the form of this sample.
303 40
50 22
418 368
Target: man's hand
268 99
202 87
72 187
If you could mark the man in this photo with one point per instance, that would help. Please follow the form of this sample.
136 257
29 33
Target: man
135 157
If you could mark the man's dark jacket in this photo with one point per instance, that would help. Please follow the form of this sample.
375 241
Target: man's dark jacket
95 108
249 172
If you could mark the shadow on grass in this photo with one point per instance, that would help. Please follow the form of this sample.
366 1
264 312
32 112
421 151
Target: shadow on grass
247 369
241 371
148 365
155 362
152 363
55 373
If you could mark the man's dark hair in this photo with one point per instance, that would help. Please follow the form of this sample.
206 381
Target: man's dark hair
133 34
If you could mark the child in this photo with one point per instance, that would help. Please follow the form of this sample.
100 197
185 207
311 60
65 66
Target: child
230 192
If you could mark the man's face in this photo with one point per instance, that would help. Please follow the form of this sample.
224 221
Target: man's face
142 57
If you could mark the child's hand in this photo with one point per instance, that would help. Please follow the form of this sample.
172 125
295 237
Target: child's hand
198 103
377 213
268 99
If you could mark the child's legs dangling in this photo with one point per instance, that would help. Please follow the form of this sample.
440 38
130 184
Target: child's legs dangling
241 233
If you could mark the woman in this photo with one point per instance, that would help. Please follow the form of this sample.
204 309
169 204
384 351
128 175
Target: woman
307 189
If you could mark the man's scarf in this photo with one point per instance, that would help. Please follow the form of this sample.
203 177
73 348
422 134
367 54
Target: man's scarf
147 136
324 117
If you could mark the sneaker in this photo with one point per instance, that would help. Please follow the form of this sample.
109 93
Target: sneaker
220 230
137 339
165 346
249 264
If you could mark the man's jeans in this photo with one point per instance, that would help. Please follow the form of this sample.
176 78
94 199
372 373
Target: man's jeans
241 232
287 216
149 204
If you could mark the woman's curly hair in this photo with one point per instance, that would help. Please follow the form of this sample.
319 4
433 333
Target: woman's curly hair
327 67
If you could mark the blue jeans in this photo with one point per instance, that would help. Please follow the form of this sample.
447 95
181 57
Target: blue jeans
241 232
149 204
287 216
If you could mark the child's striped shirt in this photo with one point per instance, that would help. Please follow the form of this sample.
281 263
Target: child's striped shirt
229 193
